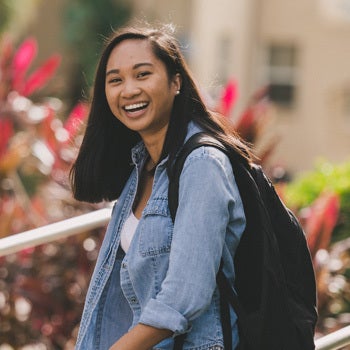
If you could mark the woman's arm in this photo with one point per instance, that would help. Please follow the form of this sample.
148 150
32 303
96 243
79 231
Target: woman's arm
207 198
141 337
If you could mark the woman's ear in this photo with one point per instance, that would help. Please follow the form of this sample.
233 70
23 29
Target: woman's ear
177 83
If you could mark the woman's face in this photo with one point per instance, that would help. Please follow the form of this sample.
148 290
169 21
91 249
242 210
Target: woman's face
138 90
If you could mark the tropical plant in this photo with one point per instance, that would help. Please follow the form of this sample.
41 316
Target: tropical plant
41 289
325 178
252 122
322 200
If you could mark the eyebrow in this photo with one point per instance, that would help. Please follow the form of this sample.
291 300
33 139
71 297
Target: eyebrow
137 65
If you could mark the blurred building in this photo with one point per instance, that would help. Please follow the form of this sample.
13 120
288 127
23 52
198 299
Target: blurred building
301 49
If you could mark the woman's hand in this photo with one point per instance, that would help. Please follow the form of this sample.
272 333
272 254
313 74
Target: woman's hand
141 337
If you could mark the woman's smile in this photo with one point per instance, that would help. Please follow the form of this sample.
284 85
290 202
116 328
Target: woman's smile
135 110
136 107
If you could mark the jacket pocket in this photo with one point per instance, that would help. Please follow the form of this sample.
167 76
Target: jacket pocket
156 228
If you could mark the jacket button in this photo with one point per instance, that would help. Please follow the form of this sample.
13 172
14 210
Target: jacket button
133 300
124 265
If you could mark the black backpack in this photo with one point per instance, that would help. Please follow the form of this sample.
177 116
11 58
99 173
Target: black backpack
275 282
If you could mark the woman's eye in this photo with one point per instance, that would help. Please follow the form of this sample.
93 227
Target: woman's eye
114 80
143 74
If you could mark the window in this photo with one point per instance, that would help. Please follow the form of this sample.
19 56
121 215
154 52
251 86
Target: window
282 67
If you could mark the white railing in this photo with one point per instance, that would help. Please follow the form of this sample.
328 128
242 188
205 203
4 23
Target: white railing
335 340
53 232
98 218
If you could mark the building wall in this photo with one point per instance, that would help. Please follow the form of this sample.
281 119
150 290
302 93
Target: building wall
159 11
315 126
221 36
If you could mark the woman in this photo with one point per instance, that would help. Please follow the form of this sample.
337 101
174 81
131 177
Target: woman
154 279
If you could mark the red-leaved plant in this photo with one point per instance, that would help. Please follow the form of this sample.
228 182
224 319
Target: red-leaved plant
41 289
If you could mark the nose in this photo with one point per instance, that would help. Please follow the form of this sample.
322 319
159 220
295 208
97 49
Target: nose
130 89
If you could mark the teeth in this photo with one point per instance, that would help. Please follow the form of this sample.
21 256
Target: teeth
135 106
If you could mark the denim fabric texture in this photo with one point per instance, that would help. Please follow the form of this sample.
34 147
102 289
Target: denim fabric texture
167 278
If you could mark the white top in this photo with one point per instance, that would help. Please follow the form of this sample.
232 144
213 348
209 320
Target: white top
128 231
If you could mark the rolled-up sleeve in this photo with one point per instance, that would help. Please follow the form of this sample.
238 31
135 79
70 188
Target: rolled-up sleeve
207 195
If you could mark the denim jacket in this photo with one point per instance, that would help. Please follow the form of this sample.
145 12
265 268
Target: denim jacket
167 278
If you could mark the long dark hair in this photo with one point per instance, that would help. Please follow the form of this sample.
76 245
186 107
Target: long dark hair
103 164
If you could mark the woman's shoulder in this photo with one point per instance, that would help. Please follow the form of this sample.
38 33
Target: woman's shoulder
206 153
210 155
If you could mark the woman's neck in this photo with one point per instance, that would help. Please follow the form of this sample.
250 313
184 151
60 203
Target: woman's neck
154 145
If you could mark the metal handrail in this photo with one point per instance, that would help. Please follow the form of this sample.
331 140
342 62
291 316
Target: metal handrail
335 340
98 218
55 231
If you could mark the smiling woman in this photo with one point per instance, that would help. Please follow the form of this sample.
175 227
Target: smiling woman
140 93
155 279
